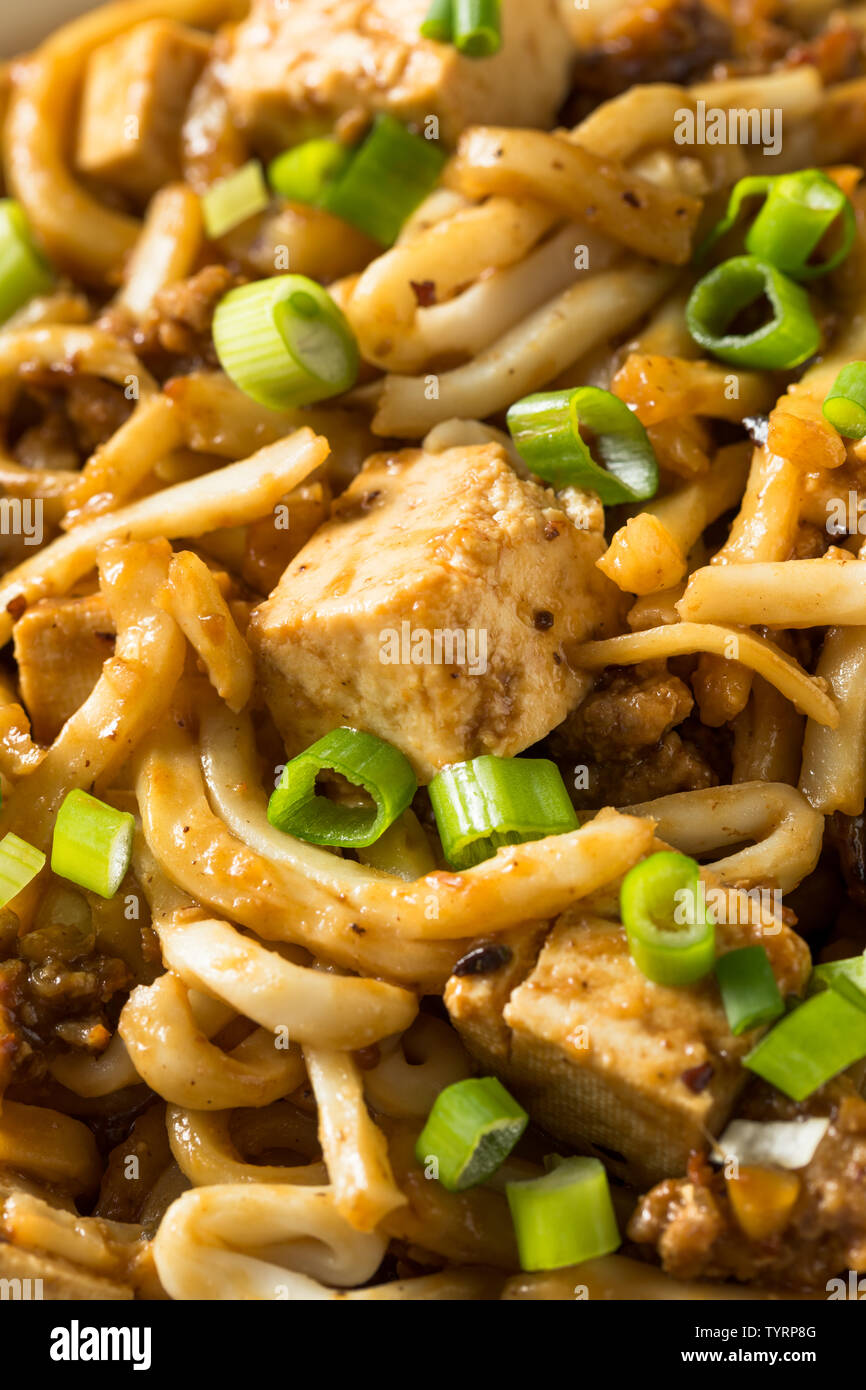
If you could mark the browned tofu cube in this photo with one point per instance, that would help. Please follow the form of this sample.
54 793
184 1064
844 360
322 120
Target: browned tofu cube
53 685
604 1059
294 70
435 609
135 94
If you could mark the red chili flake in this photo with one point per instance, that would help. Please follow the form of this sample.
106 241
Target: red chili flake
698 1078
698 1169
425 292
483 960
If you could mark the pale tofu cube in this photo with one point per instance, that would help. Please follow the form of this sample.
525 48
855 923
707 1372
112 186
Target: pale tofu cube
60 647
607 1061
296 70
436 608
135 94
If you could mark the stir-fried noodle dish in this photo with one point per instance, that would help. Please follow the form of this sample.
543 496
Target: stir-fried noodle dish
433 697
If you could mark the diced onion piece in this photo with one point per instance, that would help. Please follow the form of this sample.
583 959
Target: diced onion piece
565 1217
365 761
783 1143
470 1131
92 843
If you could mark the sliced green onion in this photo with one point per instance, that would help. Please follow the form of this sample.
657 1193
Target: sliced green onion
19 863
546 433
798 211
845 406
470 1131
438 23
232 200
303 173
790 336
749 990
391 173
671 938
565 1217
489 802
365 761
755 186
811 1045
477 27
23 272
847 977
284 342
92 843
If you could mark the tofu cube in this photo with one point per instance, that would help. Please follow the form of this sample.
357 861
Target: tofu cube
634 1072
52 686
135 94
436 609
296 70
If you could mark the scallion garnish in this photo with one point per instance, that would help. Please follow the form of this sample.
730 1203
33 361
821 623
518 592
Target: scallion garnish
19 863
477 27
785 340
473 26
92 843
671 938
489 802
810 1045
847 977
365 761
304 173
799 209
233 199
565 1217
750 994
470 1131
23 272
284 342
845 405
389 175
546 433
438 23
